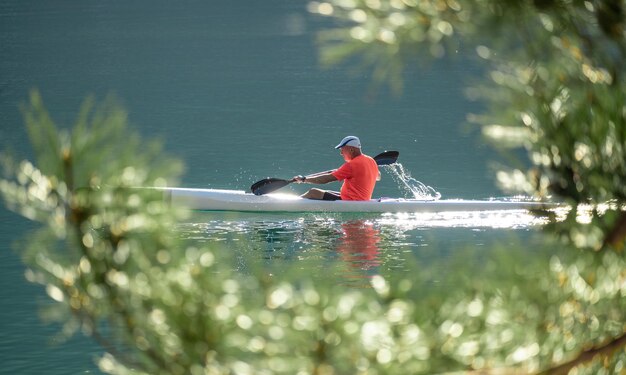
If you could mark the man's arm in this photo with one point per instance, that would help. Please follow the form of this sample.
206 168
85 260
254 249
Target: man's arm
317 178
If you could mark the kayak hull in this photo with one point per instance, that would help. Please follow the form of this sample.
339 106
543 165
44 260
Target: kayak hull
237 200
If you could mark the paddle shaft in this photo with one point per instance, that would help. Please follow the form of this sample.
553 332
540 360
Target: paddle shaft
384 158
269 185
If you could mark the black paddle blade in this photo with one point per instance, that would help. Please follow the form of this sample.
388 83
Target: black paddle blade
387 157
268 185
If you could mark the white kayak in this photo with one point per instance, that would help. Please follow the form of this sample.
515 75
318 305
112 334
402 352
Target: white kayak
239 200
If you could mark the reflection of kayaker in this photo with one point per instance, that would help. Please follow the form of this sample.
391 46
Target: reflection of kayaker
359 175
359 244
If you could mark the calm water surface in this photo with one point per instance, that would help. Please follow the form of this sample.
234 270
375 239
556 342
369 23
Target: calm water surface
235 90
364 245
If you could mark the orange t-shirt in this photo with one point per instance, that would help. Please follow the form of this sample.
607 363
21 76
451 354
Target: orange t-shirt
359 177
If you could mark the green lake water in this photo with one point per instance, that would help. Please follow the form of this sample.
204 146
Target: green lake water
236 91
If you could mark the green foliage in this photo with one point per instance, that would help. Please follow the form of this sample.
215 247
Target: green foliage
555 89
107 256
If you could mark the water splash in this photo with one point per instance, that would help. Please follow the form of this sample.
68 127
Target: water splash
412 187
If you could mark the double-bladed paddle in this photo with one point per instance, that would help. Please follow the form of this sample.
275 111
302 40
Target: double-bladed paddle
271 184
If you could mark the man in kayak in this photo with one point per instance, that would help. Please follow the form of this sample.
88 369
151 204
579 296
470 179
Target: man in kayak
359 175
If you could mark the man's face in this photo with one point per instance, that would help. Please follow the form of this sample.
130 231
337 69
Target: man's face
346 152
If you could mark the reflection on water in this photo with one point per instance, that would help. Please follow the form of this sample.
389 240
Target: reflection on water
359 244
511 219
352 248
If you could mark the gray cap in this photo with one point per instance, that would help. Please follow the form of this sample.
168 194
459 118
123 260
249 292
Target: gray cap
349 141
